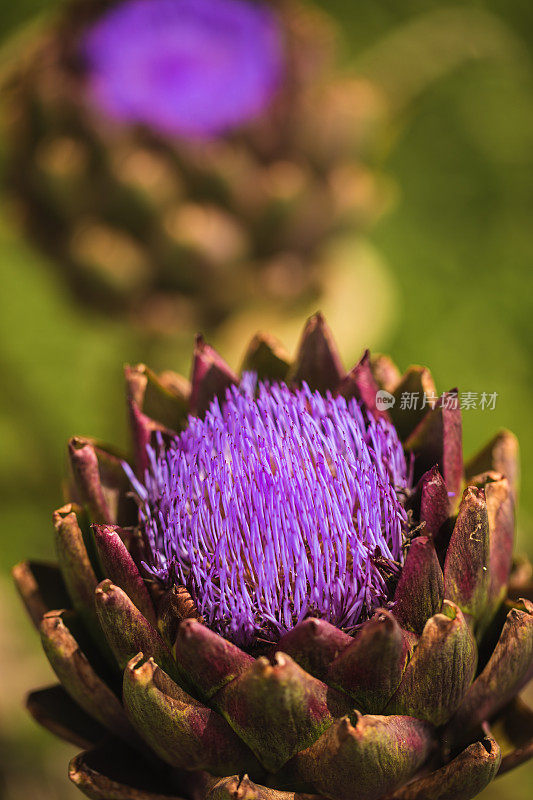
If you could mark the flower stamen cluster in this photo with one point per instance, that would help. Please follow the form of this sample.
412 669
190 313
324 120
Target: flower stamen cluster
278 505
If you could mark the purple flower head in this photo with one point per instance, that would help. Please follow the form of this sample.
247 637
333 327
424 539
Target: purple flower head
193 68
274 508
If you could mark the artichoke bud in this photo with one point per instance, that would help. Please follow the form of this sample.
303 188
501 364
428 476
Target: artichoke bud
186 161
282 593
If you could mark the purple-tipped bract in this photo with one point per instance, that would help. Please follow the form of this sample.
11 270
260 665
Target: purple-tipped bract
278 505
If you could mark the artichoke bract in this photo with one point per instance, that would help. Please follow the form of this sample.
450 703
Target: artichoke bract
185 159
278 595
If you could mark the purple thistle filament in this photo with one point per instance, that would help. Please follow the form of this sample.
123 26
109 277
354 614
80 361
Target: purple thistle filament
192 68
273 508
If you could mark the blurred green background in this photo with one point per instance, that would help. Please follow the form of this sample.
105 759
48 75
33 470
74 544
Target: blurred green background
458 245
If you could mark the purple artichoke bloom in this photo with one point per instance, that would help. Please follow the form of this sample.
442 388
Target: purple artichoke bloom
312 597
291 489
190 161
194 68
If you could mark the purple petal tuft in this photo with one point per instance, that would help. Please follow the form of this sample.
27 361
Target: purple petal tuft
280 504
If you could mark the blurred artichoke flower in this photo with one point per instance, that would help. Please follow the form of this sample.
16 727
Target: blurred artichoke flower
186 159
287 592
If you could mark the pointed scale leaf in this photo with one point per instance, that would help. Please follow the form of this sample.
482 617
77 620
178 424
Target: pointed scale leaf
501 516
385 372
500 454
317 361
314 644
466 569
142 430
240 787
440 671
209 661
267 358
364 757
211 377
501 512
509 668
278 709
463 778
78 677
173 607
163 398
434 503
437 440
180 730
361 384
370 669
127 631
99 477
420 590
120 568
414 394
75 564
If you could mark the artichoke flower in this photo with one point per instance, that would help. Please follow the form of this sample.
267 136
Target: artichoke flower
185 159
287 591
